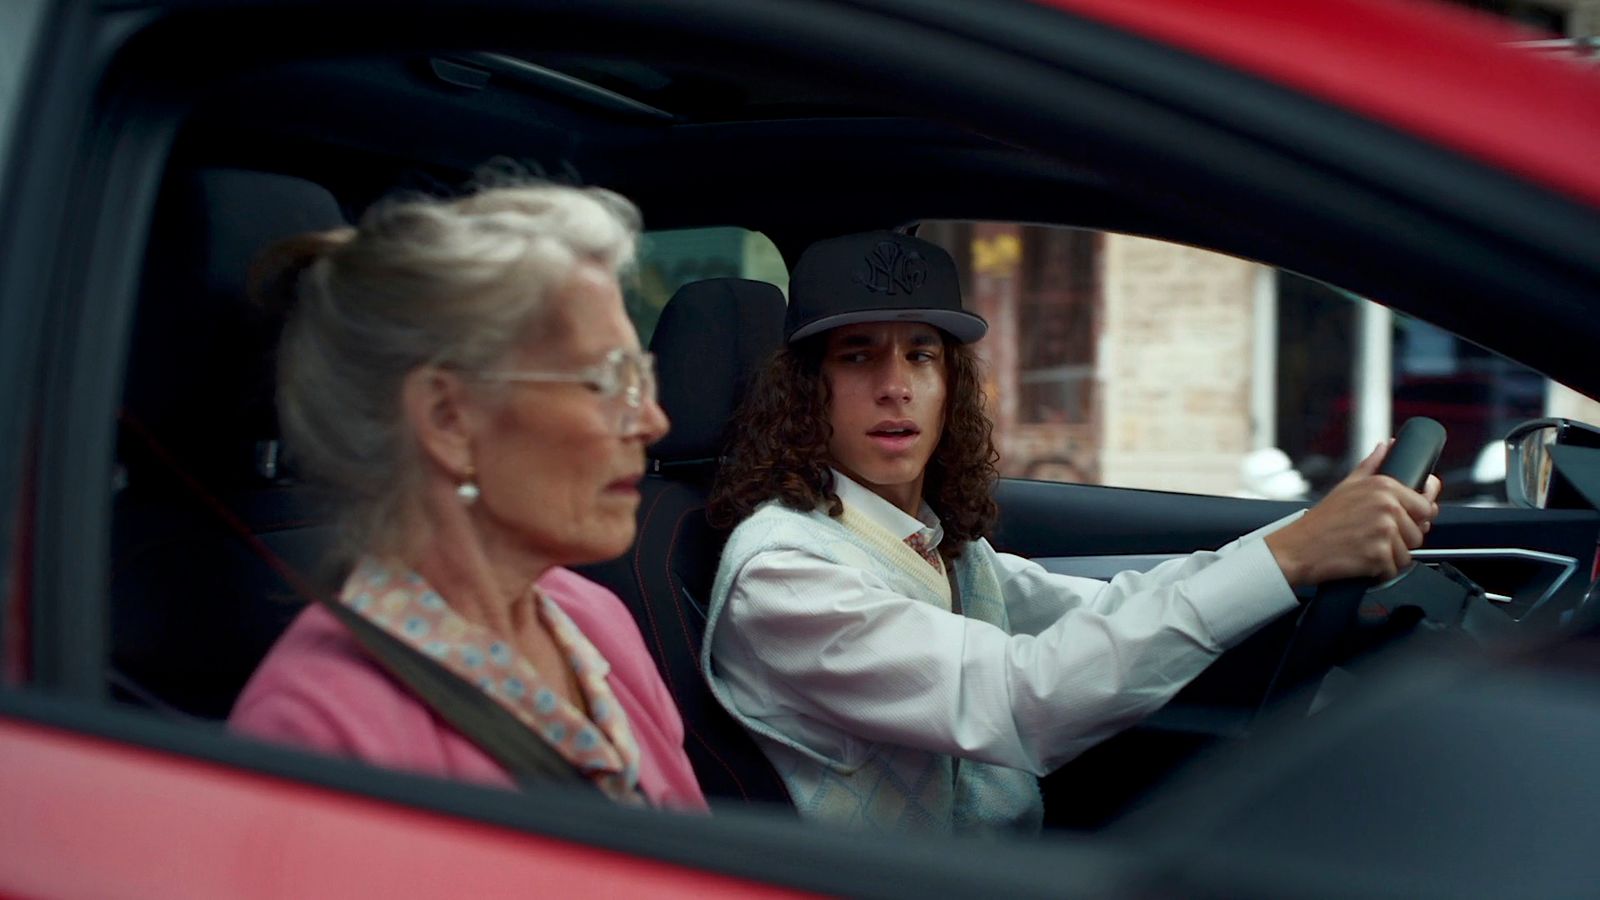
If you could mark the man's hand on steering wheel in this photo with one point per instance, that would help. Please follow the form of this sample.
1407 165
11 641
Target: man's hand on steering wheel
1366 527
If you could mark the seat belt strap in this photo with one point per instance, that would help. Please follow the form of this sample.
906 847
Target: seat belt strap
492 727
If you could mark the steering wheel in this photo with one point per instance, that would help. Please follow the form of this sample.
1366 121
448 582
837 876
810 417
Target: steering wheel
1331 612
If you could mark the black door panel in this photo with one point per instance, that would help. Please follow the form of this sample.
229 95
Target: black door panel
1042 518
1098 531
1045 519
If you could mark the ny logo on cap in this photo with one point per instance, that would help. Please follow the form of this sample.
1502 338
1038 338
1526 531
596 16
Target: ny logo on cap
892 269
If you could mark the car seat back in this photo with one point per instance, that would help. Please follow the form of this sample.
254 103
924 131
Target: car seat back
194 605
712 338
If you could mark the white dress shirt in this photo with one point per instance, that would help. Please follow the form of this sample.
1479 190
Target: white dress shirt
832 657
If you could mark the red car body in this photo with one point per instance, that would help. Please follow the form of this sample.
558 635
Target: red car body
86 814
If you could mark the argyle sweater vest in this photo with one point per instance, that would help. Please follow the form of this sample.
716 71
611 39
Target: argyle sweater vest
896 788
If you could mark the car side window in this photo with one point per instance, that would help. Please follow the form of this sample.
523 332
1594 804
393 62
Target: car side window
669 260
19 21
1126 361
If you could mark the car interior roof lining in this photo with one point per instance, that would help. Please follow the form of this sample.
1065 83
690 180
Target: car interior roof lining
1459 235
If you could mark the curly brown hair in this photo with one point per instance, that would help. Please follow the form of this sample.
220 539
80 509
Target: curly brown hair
779 448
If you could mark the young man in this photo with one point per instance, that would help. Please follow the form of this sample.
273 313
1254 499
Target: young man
899 672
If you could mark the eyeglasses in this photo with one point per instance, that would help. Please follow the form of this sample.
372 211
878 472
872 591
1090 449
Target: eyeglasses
624 379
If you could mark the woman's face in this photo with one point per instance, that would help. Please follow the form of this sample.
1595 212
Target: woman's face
557 479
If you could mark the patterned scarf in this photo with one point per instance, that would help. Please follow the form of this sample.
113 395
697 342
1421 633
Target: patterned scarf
404 605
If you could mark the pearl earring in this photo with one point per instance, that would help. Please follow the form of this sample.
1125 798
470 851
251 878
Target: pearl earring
467 491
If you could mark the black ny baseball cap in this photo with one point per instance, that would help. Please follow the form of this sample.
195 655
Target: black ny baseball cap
878 276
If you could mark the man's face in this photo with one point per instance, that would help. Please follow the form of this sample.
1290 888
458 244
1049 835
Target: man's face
886 384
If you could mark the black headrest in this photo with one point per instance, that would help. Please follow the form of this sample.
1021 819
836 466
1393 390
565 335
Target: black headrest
200 372
712 338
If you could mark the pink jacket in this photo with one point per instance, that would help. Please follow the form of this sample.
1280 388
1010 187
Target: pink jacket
318 690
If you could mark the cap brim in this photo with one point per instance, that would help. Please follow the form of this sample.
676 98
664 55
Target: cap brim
963 326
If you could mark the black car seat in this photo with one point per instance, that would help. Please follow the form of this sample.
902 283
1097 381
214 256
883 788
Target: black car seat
712 337
195 603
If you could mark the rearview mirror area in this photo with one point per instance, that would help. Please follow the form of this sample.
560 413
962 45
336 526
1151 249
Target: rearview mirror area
1532 481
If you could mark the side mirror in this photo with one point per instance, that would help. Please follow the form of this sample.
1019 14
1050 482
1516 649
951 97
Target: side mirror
1530 462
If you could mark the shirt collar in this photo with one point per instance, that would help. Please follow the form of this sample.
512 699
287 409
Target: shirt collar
885 514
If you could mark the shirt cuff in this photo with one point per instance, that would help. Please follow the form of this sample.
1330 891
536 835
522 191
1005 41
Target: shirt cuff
1240 592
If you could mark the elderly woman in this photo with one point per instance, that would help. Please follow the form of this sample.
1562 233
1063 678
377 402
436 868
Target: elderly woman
464 378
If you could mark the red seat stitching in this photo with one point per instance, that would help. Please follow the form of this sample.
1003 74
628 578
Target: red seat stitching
644 595
674 587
